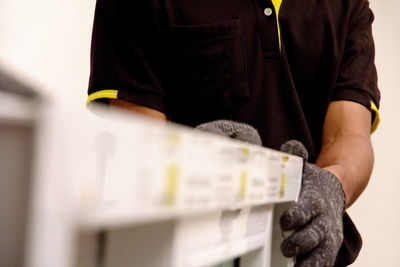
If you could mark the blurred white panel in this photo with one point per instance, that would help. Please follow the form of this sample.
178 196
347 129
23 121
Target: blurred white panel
15 180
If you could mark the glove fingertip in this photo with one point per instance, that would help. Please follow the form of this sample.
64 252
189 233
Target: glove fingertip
296 148
288 249
250 136
236 130
286 222
207 127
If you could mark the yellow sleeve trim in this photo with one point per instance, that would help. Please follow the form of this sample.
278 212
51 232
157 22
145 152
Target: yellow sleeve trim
112 94
377 118
277 5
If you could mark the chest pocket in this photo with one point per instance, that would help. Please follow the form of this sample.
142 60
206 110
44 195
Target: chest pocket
207 68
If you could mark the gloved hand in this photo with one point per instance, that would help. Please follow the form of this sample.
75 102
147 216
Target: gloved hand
316 218
235 130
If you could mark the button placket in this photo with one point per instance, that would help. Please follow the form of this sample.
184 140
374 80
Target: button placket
267 27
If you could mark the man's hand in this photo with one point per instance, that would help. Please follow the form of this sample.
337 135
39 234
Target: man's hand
316 218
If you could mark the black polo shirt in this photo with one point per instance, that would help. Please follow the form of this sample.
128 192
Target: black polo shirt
272 64
198 61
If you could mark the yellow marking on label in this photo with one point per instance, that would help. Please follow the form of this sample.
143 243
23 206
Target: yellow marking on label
172 184
283 183
245 151
243 182
174 137
285 158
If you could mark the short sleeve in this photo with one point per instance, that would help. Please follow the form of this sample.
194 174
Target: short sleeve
357 80
126 54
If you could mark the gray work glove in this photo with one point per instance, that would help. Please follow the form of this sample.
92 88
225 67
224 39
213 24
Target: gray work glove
235 130
316 218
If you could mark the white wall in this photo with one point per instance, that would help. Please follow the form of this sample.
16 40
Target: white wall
47 43
377 212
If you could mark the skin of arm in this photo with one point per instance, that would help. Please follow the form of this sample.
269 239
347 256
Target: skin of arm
128 106
346 147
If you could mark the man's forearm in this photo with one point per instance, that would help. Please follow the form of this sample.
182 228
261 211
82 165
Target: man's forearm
131 107
350 158
346 147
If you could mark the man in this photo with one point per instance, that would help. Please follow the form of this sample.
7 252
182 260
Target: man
299 70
